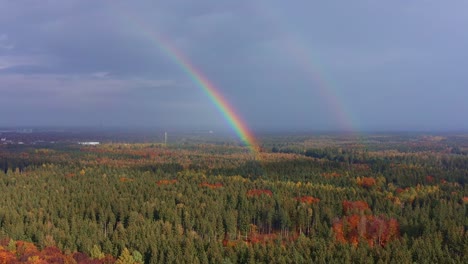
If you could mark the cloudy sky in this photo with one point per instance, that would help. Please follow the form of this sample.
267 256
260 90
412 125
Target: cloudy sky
283 65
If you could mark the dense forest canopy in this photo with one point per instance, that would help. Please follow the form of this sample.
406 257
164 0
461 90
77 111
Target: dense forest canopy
324 198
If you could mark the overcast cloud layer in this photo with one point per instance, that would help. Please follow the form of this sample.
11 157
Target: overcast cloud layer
309 65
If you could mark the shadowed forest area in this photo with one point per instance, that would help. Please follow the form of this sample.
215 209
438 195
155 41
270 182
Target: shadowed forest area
380 198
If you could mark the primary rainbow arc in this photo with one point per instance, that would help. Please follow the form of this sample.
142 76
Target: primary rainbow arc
196 75
215 96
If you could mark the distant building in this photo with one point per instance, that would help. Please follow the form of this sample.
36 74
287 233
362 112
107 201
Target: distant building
6 142
89 143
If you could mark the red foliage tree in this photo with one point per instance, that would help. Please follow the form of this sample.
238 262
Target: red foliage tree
25 250
82 258
54 255
430 179
399 190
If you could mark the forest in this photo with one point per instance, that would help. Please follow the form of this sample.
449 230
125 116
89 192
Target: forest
320 198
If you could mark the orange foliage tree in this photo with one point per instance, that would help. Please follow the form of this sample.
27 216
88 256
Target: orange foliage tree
307 199
7 256
12 252
366 182
375 230
211 186
166 182
259 192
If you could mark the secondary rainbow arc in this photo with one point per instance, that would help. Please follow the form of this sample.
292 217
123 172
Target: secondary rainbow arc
300 50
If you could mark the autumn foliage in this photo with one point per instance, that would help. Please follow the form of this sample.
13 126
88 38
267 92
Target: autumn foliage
26 252
399 190
355 226
7 256
355 207
184 201
430 179
375 230
124 179
259 192
211 186
166 182
307 199
366 182
331 174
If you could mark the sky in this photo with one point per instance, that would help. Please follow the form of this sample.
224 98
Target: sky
282 65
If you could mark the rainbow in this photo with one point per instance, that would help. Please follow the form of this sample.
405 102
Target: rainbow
197 77
226 109
324 87
296 47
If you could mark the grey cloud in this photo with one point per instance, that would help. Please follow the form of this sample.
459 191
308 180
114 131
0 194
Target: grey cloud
380 59
5 43
66 88
12 61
